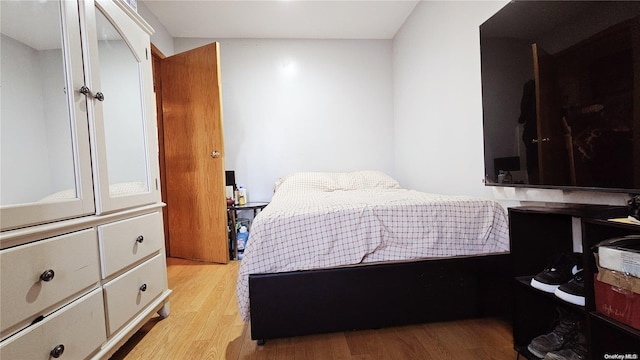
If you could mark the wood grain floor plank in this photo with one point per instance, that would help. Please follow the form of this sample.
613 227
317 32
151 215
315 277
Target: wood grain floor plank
205 324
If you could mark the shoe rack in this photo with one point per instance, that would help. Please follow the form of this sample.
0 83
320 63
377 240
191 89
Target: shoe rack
538 233
608 336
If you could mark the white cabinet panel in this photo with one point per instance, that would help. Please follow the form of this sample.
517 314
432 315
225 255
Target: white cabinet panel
126 242
80 211
124 124
44 142
128 294
38 275
75 331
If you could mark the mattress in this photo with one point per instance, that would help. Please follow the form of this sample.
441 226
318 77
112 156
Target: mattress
324 220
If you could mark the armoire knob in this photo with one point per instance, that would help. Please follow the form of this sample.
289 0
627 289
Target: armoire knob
47 275
57 351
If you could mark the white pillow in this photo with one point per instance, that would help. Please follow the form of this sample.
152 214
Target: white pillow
366 179
329 181
306 181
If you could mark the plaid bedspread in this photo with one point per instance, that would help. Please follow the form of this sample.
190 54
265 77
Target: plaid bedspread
324 220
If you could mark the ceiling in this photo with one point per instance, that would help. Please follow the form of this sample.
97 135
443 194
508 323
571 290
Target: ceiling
35 24
289 19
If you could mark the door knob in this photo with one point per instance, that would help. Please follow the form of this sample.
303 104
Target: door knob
215 154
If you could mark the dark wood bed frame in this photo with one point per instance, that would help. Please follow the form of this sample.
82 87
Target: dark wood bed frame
381 295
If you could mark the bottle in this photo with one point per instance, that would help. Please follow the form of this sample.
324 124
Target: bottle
243 236
236 196
242 195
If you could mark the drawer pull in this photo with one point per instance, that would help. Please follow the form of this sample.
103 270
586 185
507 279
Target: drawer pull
143 288
140 239
47 276
57 351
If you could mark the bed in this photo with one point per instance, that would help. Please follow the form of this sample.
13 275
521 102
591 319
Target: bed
346 251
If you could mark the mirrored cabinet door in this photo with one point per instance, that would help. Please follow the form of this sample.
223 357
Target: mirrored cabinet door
124 111
45 159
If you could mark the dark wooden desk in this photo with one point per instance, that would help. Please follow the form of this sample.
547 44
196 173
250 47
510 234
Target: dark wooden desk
232 213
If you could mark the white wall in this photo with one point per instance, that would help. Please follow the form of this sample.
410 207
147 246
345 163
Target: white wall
437 94
161 37
303 105
35 144
56 116
22 123
437 106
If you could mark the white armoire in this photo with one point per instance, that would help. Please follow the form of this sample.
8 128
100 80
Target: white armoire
82 258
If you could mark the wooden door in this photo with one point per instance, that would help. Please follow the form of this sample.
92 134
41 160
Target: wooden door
553 159
194 155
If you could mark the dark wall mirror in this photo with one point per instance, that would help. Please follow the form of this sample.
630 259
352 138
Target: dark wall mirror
561 95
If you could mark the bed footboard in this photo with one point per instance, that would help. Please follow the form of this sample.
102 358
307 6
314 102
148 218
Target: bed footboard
382 295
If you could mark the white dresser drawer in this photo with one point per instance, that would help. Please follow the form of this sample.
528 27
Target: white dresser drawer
79 327
129 293
125 242
36 276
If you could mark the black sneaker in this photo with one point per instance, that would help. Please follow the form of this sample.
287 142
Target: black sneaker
567 328
575 349
573 291
561 270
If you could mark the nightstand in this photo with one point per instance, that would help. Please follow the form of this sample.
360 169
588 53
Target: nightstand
232 213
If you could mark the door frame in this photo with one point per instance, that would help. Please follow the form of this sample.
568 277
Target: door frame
156 56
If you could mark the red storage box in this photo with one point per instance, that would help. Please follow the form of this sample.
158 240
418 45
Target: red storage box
617 303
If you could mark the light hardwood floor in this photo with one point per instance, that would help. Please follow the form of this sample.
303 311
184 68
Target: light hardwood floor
205 324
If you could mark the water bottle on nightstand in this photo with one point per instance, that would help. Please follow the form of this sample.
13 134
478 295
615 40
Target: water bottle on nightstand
243 236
